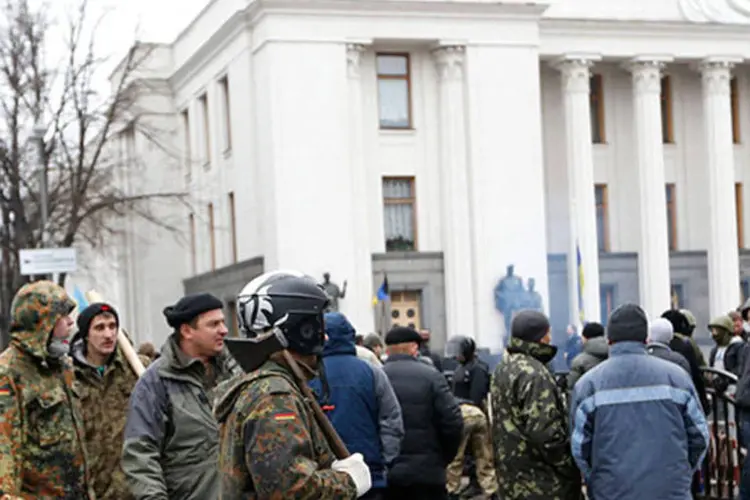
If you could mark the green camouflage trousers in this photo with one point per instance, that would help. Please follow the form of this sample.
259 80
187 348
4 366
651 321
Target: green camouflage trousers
477 436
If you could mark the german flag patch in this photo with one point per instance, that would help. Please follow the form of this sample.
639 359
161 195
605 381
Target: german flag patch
284 417
4 391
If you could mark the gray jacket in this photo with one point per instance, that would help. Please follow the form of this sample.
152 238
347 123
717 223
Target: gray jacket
595 351
664 352
171 436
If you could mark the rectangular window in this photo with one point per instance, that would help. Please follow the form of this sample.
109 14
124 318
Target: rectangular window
203 100
226 113
745 289
677 293
399 214
233 226
606 301
602 217
394 91
233 320
212 234
739 206
193 243
671 217
596 98
667 131
735 98
186 145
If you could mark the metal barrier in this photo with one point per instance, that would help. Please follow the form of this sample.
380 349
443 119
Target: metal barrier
719 476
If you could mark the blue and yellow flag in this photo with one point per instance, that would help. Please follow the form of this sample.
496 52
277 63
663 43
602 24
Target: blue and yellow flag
579 260
80 298
382 292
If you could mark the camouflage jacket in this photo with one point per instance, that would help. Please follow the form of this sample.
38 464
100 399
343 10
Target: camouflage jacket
266 427
41 429
104 403
529 428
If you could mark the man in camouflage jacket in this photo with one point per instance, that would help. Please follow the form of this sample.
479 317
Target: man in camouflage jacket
104 381
41 430
271 446
530 432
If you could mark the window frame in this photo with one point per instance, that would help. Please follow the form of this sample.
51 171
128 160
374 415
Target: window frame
412 200
212 234
739 206
671 215
606 291
193 243
226 112
605 212
666 109
734 97
206 117
233 225
596 100
407 78
187 144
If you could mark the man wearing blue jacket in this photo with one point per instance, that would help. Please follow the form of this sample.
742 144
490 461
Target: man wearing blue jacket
638 430
362 405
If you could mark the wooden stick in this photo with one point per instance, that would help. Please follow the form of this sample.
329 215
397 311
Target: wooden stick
334 440
122 340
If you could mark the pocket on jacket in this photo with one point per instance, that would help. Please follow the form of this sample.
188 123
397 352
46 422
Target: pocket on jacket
50 423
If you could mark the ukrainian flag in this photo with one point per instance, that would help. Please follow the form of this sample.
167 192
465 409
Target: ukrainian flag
382 292
80 298
579 260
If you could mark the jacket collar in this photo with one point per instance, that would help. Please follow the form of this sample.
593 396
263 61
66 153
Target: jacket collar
541 352
400 357
628 347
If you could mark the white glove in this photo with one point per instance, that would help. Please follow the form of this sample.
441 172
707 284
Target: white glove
357 469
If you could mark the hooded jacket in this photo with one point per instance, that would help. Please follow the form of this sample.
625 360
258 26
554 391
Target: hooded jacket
595 350
104 402
41 430
530 427
364 409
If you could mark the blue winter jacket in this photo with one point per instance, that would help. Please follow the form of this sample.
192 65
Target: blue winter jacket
362 405
637 427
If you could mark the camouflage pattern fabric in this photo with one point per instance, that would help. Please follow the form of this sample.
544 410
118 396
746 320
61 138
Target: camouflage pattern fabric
271 446
104 403
476 435
41 430
529 429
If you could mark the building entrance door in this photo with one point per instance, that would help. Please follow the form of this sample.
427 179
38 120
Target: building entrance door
405 309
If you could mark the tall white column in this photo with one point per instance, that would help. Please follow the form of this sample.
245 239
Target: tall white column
723 255
454 181
580 161
653 254
357 304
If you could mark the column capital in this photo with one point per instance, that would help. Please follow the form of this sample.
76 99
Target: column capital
449 60
576 71
716 73
354 51
647 73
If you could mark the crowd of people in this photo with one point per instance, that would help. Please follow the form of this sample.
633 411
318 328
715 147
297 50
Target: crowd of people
78 422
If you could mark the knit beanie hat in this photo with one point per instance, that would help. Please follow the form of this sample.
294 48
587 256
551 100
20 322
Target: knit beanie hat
661 331
92 311
680 323
592 330
530 326
627 323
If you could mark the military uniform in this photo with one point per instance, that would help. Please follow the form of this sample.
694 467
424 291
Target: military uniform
271 445
41 430
529 429
104 397
476 433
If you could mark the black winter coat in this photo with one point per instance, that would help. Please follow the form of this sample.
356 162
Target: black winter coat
683 347
432 422
471 383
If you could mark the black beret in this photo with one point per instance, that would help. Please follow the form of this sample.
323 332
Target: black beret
402 335
592 330
189 307
92 311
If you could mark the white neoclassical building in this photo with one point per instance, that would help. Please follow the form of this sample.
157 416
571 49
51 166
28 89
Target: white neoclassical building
439 142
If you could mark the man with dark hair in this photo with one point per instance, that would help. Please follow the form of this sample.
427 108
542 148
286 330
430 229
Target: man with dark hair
529 425
638 430
595 350
104 381
682 344
171 437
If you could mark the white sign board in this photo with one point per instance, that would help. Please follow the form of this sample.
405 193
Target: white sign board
47 261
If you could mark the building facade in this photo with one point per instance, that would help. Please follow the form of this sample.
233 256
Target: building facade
439 142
